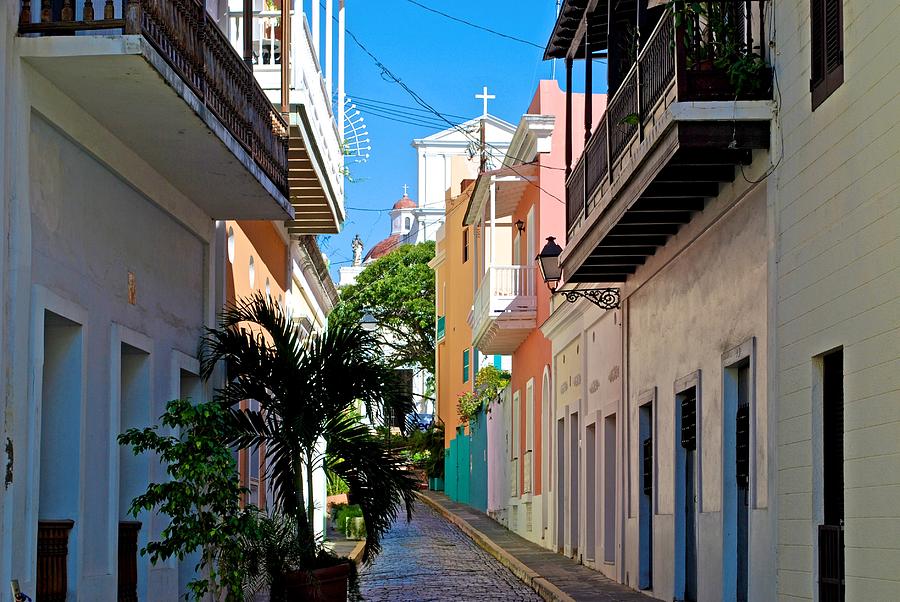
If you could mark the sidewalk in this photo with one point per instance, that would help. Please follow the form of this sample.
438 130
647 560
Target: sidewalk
553 576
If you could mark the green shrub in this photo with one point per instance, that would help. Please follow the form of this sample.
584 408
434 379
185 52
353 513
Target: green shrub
344 512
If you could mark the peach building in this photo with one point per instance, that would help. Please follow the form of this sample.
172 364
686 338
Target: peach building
514 208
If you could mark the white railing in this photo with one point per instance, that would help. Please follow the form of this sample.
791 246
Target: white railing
308 86
504 288
266 29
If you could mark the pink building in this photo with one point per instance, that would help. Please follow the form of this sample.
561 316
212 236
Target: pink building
513 209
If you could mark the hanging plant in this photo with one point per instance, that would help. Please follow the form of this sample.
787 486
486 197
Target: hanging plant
489 382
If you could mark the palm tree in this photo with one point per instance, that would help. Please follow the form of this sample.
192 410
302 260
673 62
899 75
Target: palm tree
306 387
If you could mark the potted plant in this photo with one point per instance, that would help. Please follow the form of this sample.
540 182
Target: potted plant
307 388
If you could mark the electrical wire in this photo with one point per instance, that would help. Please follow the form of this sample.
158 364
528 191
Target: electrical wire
376 101
475 25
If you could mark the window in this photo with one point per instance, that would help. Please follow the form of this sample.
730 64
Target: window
831 532
826 49
466 366
465 245
230 245
251 271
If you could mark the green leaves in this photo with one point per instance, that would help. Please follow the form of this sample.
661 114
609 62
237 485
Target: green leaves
398 290
201 498
306 389
489 382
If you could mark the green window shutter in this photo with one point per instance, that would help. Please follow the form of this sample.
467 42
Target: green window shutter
466 366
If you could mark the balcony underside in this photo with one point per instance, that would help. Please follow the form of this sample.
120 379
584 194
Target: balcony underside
123 83
670 181
317 207
502 334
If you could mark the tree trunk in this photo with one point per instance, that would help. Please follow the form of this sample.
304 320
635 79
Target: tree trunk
303 525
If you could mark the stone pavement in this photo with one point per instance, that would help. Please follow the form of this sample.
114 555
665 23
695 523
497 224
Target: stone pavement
431 560
553 576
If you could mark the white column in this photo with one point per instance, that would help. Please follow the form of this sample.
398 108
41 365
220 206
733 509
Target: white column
341 54
329 48
316 32
493 221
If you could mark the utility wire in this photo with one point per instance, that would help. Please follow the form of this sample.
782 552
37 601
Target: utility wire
475 25
424 104
375 101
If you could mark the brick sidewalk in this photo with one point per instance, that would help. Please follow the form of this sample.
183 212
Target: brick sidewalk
552 576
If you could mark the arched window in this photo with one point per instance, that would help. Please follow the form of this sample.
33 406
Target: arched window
407 223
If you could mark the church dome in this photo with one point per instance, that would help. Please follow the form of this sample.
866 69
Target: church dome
405 203
384 247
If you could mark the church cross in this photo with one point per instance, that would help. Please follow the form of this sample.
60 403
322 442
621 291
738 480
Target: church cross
405 186
485 97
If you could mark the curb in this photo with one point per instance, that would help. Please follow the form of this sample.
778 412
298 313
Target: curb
542 587
356 555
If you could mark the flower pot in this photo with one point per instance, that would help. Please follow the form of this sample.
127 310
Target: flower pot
327 584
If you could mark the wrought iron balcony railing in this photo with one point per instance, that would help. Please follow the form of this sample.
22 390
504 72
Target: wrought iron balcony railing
195 47
682 55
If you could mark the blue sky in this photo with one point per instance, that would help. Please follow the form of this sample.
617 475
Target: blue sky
446 63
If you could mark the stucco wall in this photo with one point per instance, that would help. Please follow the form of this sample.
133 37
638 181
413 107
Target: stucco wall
87 255
707 300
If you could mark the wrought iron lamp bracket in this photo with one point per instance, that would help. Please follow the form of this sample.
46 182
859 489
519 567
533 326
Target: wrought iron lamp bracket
604 298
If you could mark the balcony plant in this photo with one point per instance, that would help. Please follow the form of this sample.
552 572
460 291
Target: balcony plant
307 388
713 42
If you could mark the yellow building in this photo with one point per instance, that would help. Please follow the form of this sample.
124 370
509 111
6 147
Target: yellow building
453 300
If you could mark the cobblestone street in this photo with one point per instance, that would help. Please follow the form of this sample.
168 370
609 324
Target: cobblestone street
430 559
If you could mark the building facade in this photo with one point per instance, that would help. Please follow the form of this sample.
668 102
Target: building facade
128 157
718 423
516 206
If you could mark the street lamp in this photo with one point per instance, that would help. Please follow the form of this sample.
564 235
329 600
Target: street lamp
551 272
368 322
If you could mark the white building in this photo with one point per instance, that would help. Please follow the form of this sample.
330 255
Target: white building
123 156
447 158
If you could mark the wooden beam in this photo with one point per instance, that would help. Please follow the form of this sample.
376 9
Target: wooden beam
622 251
656 217
668 204
644 229
696 173
635 241
681 190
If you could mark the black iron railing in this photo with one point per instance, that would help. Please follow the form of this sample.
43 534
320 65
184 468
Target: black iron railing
694 58
831 563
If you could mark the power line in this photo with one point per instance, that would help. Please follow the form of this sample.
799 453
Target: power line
424 104
475 25
376 101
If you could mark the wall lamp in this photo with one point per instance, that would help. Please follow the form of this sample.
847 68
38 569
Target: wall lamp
551 272
520 226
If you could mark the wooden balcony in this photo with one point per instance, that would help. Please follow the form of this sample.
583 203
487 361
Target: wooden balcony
676 127
162 77
52 581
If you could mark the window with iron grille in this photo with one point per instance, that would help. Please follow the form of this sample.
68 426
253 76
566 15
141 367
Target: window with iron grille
831 533
647 466
826 49
689 419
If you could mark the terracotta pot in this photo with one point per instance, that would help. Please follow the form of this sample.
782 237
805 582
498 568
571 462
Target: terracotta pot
320 585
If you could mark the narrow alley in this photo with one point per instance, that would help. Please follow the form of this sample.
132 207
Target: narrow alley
428 558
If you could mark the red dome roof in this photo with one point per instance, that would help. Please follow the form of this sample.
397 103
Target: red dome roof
405 203
384 247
